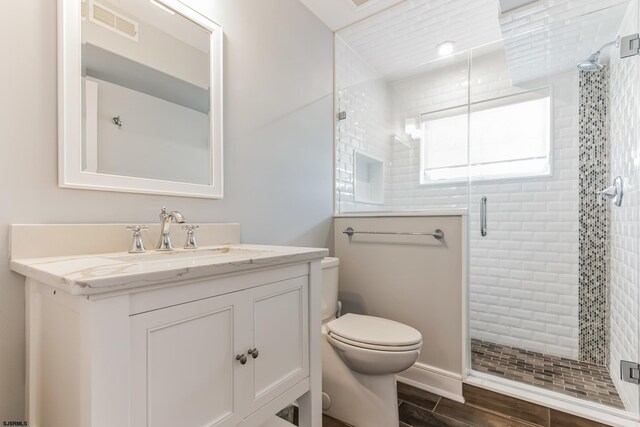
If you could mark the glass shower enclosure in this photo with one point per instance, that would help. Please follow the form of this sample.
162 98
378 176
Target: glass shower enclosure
510 129
553 261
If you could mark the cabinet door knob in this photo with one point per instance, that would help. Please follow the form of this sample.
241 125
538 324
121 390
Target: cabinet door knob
253 353
242 358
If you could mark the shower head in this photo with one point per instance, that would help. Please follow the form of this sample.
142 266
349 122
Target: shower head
591 63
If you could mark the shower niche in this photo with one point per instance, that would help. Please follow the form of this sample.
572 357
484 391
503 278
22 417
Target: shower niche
368 184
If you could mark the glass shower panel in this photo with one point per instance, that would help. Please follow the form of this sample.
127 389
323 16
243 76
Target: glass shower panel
401 138
363 144
553 272
624 280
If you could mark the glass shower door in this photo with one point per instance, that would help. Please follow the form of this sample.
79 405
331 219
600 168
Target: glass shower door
553 274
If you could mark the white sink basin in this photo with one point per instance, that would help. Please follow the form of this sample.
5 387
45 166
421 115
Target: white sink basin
227 253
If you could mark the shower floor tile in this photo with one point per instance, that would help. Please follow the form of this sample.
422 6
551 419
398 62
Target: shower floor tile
571 377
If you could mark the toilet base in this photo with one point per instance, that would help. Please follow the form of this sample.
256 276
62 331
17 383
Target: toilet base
357 399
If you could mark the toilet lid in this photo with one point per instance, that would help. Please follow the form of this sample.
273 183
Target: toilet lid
385 348
374 330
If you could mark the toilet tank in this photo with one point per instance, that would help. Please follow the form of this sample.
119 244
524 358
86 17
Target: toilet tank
329 305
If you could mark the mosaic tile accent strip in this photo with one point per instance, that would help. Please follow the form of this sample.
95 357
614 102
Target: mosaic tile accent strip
594 166
571 377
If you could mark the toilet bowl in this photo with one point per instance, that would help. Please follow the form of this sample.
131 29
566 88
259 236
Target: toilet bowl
360 357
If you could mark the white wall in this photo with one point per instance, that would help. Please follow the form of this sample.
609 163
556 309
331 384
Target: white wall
415 280
624 100
278 144
158 139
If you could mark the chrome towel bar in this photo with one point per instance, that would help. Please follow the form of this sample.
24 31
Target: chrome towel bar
438 234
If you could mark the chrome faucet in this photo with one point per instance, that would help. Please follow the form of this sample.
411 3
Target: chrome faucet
165 224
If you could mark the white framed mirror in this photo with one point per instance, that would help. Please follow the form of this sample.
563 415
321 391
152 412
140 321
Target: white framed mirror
139 98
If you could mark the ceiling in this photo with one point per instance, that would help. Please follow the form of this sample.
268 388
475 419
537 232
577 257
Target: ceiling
403 40
539 36
559 46
338 14
509 5
175 25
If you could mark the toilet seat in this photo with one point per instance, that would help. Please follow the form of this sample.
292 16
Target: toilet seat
375 346
374 333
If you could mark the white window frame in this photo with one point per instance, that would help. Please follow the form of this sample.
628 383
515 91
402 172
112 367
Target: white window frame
467 110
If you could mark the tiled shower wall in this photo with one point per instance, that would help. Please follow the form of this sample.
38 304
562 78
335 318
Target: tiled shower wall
593 296
524 273
624 100
439 89
363 95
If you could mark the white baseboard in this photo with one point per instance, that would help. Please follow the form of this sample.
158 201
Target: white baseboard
434 380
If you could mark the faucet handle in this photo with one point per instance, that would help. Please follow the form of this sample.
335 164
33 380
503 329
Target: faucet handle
137 246
191 238
136 228
615 192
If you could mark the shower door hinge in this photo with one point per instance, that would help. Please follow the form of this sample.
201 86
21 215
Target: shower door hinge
629 46
342 115
630 372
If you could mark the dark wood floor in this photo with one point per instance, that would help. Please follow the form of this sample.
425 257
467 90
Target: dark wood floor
332 422
483 408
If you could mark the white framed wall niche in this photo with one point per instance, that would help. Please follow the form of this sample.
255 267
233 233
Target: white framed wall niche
368 181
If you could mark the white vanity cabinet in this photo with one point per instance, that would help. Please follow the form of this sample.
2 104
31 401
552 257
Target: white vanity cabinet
191 363
177 351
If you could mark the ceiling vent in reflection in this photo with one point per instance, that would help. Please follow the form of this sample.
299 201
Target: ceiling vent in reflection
511 5
114 21
360 2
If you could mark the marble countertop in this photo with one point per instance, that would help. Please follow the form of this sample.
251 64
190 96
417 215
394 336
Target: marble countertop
95 274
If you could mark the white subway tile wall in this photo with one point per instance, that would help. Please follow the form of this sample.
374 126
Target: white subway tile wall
442 88
363 95
624 99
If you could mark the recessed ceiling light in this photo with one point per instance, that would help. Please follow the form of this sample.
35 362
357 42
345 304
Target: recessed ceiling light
163 7
445 48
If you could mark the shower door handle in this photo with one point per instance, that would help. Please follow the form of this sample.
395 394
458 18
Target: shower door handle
483 216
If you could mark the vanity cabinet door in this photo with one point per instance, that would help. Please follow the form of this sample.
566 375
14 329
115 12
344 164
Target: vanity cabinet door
184 369
280 335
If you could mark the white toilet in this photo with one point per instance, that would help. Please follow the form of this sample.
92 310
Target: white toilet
360 357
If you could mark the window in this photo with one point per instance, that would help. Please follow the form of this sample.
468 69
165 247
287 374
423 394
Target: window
509 137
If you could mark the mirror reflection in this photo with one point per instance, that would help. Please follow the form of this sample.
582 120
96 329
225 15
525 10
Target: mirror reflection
145 92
